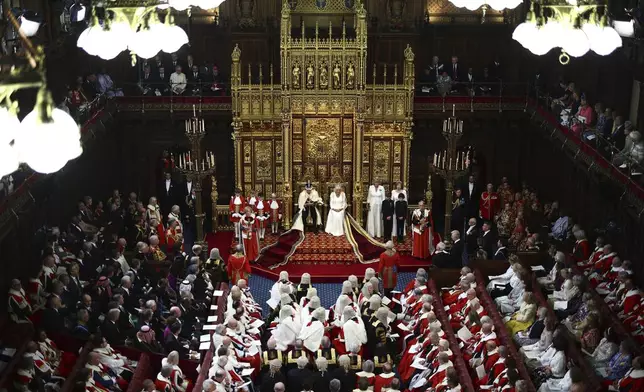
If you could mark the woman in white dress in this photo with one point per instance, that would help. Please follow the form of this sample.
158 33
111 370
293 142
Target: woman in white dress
394 196
337 205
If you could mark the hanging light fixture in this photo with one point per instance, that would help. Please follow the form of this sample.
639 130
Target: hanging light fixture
498 5
48 137
136 28
574 26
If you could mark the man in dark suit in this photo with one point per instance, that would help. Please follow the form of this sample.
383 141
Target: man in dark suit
162 81
75 230
454 70
471 237
195 81
148 83
169 194
488 240
387 216
501 250
458 210
472 195
441 257
401 216
458 249
53 320
110 328
172 342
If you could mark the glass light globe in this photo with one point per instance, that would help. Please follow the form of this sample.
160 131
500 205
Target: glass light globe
93 40
603 40
115 40
623 28
541 42
82 38
180 5
500 5
209 4
9 125
524 33
173 38
575 42
8 159
28 27
46 148
147 43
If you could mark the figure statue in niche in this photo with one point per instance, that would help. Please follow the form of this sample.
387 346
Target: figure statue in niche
310 76
351 76
324 77
297 72
336 76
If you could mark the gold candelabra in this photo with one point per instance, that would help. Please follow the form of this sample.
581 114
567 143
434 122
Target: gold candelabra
450 164
197 166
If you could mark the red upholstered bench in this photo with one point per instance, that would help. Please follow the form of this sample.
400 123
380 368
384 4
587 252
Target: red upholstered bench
68 386
499 327
143 371
459 364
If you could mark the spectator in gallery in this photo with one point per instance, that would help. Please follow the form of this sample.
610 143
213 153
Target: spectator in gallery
106 85
196 79
178 81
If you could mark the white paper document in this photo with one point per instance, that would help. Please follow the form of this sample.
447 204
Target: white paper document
538 268
213 307
247 372
204 338
218 293
212 319
204 346
480 371
210 327
256 324
272 302
385 301
403 327
560 305
464 334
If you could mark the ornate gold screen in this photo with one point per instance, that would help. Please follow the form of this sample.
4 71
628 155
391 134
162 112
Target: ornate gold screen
323 122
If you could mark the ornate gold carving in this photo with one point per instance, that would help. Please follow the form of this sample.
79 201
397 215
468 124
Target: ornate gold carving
337 76
248 173
348 126
297 171
297 150
263 161
297 76
297 125
346 171
351 76
322 138
247 155
322 172
248 188
365 152
278 150
381 160
347 151
324 76
310 76
279 174
397 152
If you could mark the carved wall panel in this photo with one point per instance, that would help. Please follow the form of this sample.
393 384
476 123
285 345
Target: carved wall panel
347 126
365 152
297 126
347 150
263 160
247 153
381 160
397 152
322 139
278 150
297 150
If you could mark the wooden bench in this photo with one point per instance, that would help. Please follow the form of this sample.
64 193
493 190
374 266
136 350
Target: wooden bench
499 327
459 364
143 371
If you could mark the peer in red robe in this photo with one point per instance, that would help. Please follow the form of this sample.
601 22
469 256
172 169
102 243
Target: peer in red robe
581 250
238 265
236 208
383 380
249 235
422 237
489 203
633 380
261 215
388 267
605 261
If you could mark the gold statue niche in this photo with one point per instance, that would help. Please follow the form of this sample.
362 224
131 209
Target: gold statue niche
322 121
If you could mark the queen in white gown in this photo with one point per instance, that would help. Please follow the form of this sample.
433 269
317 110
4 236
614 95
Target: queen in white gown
337 205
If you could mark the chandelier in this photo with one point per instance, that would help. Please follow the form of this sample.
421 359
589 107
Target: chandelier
47 138
136 26
574 26
498 5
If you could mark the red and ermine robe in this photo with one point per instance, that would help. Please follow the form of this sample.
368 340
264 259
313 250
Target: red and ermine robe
581 251
592 259
238 267
632 382
161 233
387 267
477 347
492 372
371 378
275 209
451 296
604 263
422 237
630 306
236 207
19 307
489 205
162 384
611 275
249 237
383 380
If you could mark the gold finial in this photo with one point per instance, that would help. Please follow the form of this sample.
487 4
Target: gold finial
330 30
271 73
250 75
395 75
261 75
409 54
428 192
236 53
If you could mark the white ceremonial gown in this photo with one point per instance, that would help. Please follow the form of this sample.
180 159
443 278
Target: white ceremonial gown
394 197
286 333
374 219
335 219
